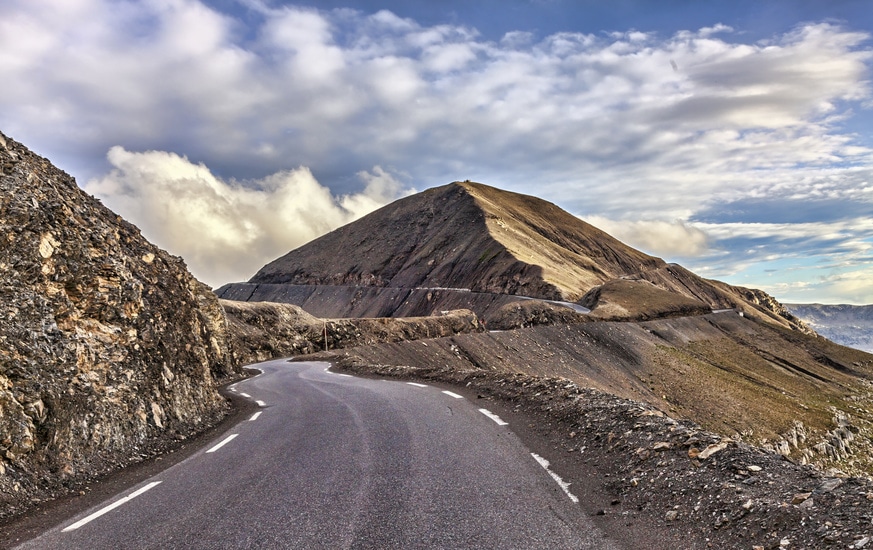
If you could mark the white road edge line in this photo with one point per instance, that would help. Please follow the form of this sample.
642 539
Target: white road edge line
261 403
255 416
417 385
564 485
453 394
327 370
109 508
494 417
246 395
224 442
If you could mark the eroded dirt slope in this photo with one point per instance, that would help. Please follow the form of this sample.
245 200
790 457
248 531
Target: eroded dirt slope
463 235
573 255
331 301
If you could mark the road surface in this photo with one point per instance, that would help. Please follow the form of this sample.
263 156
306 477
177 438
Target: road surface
333 461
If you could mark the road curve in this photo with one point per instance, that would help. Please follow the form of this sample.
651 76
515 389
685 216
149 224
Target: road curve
332 461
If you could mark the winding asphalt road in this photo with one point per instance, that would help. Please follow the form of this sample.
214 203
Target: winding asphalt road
332 461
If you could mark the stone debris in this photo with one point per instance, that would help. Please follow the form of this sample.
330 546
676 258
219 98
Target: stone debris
712 449
829 485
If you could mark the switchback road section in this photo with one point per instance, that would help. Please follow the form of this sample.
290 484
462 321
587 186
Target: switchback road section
334 461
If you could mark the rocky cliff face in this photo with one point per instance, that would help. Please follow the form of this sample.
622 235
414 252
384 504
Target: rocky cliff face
107 343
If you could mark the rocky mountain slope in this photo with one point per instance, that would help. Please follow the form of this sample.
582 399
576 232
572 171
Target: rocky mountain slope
337 301
463 235
470 245
844 324
798 395
108 346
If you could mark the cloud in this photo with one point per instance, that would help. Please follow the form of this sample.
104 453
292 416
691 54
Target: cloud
851 287
828 261
631 125
381 188
661 238
854 286
226 230
823 261
314 85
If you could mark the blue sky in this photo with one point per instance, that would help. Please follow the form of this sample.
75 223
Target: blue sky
735 138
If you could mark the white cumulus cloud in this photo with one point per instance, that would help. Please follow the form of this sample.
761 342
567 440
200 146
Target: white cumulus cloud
227 230
657 237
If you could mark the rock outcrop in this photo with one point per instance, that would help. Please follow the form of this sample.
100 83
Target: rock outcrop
107 343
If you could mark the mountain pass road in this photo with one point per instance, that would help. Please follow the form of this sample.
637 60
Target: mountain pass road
334 461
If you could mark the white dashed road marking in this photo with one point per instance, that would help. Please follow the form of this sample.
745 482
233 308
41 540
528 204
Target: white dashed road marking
493 417
453 394
224 442
261 403
417 385
111 507
246 395
255 416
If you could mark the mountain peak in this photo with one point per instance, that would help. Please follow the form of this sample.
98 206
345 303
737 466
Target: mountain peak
464 235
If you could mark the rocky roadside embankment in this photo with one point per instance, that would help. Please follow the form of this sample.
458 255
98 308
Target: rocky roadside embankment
109 349
264 330
646 477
